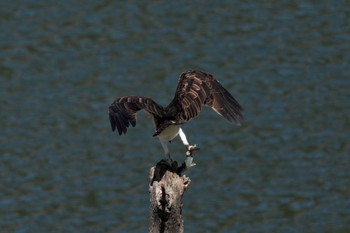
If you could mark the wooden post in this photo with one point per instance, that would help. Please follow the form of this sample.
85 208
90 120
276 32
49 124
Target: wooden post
167 188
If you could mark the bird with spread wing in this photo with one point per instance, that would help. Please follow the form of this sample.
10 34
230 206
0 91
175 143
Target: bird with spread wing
195 90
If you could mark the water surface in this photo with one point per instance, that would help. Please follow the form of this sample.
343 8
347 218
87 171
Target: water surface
286 169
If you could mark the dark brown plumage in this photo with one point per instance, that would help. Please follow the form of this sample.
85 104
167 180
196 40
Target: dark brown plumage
195 89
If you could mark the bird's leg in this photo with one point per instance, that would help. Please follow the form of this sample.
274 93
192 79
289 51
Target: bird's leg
190 149
166 151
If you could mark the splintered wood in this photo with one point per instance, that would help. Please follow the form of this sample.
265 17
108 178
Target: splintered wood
166 192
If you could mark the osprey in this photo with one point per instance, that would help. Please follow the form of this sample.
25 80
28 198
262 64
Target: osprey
195 89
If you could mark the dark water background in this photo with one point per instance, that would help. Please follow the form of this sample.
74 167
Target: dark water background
286 169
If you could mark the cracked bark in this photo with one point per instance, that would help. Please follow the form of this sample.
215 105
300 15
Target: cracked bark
167 188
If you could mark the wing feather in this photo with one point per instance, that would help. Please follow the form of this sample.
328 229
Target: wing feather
122 112
196 89
222 102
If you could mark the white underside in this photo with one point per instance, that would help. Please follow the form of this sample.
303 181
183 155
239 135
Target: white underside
169 133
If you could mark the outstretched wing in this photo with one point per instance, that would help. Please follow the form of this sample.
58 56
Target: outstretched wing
196 89
122 112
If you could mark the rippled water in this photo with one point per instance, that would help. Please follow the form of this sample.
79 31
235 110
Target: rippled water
286 169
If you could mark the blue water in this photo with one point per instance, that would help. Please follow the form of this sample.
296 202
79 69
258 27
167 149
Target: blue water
286 169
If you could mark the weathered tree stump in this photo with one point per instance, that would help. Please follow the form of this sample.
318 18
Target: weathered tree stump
167 188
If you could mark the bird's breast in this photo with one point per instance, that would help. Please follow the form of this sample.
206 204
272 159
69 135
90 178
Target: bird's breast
169 133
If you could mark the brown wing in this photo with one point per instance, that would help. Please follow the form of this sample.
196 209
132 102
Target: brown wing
122 112
196 89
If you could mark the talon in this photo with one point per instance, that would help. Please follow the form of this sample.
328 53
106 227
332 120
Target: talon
191 149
